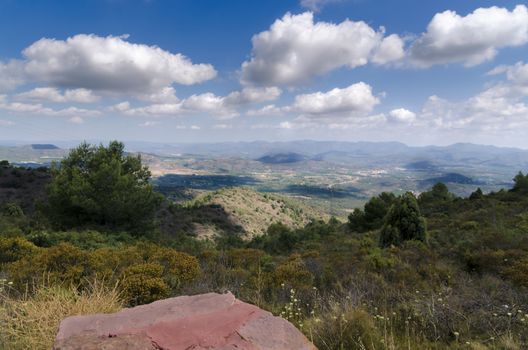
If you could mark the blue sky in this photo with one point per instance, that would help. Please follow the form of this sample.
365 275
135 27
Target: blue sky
430 72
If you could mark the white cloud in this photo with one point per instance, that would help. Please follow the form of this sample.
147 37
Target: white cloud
80 95
159 109
357 99
518 75
211 104
39 109
222 126
338 108
164 95
390 49
500 108
472 39
316 5
110 64
402 115
11 75
516 84
268 110
253 95
195 127
204 102
148 124
286 125
295 49
121 107
49 94
4 122
76 120
221 107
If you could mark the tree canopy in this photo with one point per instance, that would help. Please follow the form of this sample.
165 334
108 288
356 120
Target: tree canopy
520 183
403 222
102 186
371 217
437 199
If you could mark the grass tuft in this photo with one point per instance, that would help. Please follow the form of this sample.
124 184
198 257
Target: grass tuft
32 321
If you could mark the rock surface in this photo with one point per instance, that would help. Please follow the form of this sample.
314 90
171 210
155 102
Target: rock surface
207 321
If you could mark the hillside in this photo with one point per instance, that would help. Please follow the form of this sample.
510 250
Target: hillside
281 158
22 186
37 154
238 210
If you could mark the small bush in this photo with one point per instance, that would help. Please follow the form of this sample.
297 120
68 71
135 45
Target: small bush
178 268
294 274
62 263
350 328
16 248
143 284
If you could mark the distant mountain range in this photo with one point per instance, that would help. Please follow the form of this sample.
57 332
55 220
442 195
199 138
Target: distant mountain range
322 150
427 158
32 155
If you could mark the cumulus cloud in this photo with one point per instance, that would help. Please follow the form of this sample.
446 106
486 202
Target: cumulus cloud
203 102
471 39
110 64
40 109
253 95
49 94
222 107
339 108
164 95
295 48
120 107
402 115
159 109
501 107
518 75
11 75
357 99
268 110
390 49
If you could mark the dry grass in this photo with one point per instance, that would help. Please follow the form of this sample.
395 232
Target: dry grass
31 321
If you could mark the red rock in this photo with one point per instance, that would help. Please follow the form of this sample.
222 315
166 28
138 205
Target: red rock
207 321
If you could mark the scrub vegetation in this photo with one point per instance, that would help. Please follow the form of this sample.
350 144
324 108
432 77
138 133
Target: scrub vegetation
408 271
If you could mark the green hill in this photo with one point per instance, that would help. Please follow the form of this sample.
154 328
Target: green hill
239 210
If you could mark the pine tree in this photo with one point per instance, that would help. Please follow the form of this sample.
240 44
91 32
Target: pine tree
403 222
102 186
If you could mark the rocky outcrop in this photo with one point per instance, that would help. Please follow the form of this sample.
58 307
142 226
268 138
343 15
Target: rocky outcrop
207 321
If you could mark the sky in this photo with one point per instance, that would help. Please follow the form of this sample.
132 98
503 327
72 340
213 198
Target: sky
418 72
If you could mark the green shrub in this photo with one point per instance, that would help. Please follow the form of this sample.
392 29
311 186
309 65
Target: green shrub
143 284
63 263
403 222
16 248
178 268
293 274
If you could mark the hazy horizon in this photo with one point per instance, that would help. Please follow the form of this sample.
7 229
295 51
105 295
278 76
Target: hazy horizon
73 143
